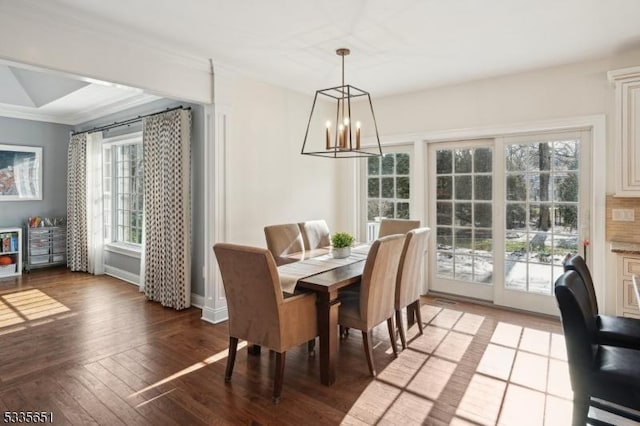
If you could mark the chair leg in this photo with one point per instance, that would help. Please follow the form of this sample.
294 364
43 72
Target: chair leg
580 409
254 349
416 309
344 331
278 377
403 338
311 347
231 358
392 335
366 341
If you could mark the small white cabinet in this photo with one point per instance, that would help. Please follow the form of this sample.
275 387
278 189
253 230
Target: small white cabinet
627 130
10 252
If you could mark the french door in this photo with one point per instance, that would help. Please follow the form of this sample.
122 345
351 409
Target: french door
506 212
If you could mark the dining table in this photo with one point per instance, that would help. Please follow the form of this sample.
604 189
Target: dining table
319 273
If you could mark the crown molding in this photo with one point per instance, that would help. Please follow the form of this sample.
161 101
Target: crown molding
106 108
17 112
99 110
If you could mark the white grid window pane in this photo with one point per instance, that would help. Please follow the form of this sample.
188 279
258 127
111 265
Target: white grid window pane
123 192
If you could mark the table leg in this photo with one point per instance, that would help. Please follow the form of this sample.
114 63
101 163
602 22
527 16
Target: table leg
328 305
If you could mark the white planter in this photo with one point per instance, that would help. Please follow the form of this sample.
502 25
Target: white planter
341 253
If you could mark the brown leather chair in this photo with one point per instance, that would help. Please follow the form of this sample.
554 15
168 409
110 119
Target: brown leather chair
258 312
396 226
283 240
410 272
374 302
315 234
610 330
609 373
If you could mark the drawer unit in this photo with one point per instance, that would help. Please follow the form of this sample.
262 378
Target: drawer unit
45 246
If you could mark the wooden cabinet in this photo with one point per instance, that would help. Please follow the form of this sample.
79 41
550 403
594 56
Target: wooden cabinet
11 249
627 130
627 305
45 246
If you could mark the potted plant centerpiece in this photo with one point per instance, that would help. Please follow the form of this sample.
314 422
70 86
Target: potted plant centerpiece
341 244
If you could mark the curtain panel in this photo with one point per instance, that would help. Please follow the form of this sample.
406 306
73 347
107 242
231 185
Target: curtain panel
167 230
77 246
95 205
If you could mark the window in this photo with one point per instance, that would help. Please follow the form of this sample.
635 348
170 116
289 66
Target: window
388 187
123 190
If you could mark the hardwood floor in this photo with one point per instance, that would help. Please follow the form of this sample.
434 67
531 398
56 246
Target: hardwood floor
93 351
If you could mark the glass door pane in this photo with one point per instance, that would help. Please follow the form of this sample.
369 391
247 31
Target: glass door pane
541 212
464 214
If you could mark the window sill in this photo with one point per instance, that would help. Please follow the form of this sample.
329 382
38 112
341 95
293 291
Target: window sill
124 249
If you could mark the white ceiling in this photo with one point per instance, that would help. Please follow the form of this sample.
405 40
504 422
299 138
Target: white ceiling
34 95
397 46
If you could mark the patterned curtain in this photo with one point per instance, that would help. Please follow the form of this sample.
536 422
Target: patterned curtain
166 140
77 246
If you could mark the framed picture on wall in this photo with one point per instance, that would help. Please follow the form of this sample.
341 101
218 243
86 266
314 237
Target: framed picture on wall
20 173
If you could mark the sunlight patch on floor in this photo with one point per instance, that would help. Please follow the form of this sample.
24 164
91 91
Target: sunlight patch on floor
28 305
497 361
522 407
454 346
506 335
530 370
194 367
482 400
430 381
520 368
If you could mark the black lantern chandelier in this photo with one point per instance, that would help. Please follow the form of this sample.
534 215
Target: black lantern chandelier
338 117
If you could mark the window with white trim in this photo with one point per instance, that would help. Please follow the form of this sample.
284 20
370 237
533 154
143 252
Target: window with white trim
123 185
388 189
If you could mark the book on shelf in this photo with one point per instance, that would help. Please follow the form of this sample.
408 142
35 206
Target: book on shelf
6 243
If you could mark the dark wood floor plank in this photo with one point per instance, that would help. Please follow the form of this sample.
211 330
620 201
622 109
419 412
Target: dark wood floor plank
117 403
86 399
110 357
13 400
147 407
38 394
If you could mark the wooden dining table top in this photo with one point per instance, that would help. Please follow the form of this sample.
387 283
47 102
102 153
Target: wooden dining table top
334 279
316 270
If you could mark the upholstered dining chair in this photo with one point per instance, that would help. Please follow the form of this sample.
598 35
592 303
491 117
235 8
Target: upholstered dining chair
410 272
396 226
610 330
374 303
315 234
608 373
258 312
282 240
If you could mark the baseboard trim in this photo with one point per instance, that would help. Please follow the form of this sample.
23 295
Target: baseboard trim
197 301
215 316
122 275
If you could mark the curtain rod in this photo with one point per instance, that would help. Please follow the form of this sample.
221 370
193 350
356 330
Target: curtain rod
129 121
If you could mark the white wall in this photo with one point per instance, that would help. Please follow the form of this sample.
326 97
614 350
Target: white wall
549 94
40 35
268 180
